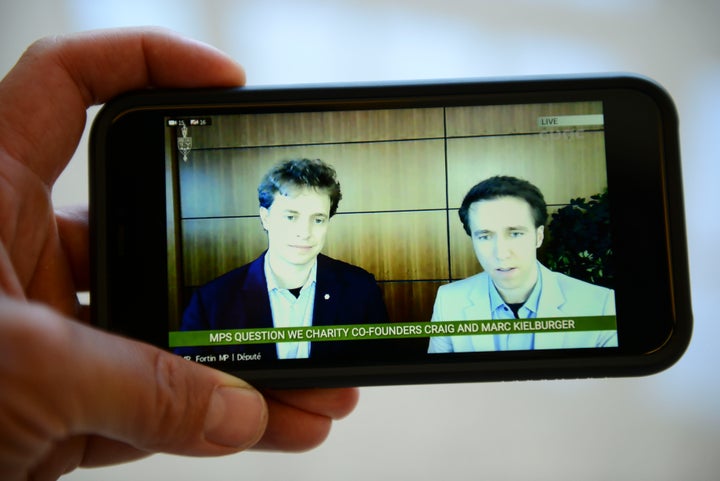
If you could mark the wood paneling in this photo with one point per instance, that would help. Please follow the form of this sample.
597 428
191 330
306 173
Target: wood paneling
391 176
385 244
393 246
375 176
212 247
463 261
512 119
221 183
561 169
318 128
410 301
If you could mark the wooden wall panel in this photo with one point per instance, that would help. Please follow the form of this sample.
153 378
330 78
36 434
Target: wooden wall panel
384 244
512 119
373 176
212 247
410 301
391 176
463 261
318 127
220 183
561 169
393 246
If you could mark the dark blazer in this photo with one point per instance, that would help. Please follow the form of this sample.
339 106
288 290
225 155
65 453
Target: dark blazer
344 294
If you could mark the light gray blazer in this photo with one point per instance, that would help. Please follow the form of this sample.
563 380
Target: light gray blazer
562 296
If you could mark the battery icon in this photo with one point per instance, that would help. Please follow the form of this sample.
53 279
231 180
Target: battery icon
197 122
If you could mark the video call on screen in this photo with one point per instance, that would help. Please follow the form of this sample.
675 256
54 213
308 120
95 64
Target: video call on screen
403 174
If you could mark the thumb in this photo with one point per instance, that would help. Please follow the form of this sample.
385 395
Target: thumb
62 379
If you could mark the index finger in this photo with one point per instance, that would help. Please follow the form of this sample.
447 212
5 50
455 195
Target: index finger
45 96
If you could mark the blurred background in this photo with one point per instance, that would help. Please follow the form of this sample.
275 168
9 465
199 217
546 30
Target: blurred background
663 427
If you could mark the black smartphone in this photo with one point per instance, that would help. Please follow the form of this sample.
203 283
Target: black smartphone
424 232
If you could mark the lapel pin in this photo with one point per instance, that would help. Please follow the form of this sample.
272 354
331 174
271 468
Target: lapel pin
327 296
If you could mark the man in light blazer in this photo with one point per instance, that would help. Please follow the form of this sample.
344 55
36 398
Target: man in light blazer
505 218
291 284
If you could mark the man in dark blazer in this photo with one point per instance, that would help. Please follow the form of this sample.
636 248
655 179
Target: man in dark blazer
344 294
291 284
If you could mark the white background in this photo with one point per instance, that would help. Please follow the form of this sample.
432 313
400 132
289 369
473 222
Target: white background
663 427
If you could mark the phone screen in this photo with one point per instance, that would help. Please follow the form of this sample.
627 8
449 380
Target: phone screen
459 229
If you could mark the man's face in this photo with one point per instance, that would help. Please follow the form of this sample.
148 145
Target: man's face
297 225
505 241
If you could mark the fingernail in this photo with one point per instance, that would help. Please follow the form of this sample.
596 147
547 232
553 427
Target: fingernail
236 417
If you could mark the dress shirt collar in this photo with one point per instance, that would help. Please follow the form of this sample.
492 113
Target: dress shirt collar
272 282
531 304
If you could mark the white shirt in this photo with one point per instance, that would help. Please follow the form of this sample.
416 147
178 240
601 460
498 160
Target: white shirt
289 311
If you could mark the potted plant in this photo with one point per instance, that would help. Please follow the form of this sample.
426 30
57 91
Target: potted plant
579 242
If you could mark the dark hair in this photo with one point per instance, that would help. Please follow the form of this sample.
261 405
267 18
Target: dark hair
505 186
299 173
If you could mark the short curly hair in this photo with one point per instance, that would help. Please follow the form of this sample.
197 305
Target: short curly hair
299 173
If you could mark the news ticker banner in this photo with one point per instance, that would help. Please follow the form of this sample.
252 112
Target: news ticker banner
407 330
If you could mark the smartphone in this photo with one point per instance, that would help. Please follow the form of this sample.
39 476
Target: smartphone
399 233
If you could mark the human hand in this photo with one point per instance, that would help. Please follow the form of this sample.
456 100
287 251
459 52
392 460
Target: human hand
71 394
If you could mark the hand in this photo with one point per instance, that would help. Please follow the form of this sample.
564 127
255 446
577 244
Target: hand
72 395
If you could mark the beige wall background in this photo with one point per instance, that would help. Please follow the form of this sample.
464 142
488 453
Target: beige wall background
663 427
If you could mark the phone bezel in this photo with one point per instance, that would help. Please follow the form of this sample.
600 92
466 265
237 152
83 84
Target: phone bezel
643 161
